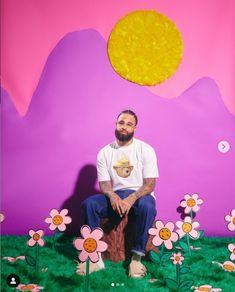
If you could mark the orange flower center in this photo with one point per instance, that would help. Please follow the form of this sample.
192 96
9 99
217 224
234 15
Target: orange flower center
90 245
165 233
233 251
36 236
27 287
204 289
57 220
191 202
187 227
228 267
177 258
233 221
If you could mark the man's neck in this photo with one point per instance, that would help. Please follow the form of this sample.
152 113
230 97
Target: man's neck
124 143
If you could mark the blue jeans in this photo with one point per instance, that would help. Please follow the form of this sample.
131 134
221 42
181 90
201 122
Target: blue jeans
98 206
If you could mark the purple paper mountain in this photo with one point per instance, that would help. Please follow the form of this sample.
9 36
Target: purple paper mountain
49 156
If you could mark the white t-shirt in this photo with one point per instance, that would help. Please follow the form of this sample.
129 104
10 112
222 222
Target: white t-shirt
127 166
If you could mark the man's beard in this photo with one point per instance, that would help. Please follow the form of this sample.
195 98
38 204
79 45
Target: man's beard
123 137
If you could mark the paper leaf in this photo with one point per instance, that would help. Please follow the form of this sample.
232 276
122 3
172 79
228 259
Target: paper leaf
187 284
171 284
154 256
183 245
184 270
30 260
165 257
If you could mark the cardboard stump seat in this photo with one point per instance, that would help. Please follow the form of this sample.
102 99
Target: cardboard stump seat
119 235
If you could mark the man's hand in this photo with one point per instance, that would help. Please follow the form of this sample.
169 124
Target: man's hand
129 202
118 205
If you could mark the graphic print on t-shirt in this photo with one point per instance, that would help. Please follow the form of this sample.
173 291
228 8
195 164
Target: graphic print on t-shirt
123 167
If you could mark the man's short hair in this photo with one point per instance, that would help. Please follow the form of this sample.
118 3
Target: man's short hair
130 112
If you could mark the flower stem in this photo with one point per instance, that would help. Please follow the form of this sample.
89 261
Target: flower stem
161 253
87 275
37 258
189 250
54 240
191 214
178 273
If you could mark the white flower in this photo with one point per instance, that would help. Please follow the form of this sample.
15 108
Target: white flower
231 248
231 220
177 258
188 227
58 219
191 203
163 234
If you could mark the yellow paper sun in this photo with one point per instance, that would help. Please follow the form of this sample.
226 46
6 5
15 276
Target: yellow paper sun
145 47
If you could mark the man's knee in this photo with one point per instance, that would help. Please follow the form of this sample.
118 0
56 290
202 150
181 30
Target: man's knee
88 204
147 204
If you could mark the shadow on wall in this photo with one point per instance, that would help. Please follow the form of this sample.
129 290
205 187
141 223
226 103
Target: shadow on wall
84 187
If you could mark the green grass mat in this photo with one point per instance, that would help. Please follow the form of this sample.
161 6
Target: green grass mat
61 264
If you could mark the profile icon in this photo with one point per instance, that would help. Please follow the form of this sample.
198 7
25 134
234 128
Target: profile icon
13 280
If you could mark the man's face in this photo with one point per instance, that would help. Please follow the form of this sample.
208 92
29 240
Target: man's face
125 127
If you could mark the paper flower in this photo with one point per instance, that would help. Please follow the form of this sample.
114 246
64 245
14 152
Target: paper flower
163 234
206 288
177 258
191 203
29 287
90 245
231 220
231 248
58 219
36 238
12 259
227 266
2 217
188 227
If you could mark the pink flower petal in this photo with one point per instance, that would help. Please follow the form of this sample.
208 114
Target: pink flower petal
231 226
52 226
199 201
181 233
187 210
195 208
83 256
195 224
31 242
168 244
78 243
231 247
179 224
48 220
233 212
153 231
40 232
228 218
187 219
232 257
159 224
41 242
85 231
157 241
174 237
195 197
97 234
54 212
187 196
94 257
183 204
31 232
101 246
61 227
194 234
67 220
20 257
170 226
64 212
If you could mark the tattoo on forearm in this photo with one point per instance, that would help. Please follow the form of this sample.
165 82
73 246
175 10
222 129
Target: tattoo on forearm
106 189
147 188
